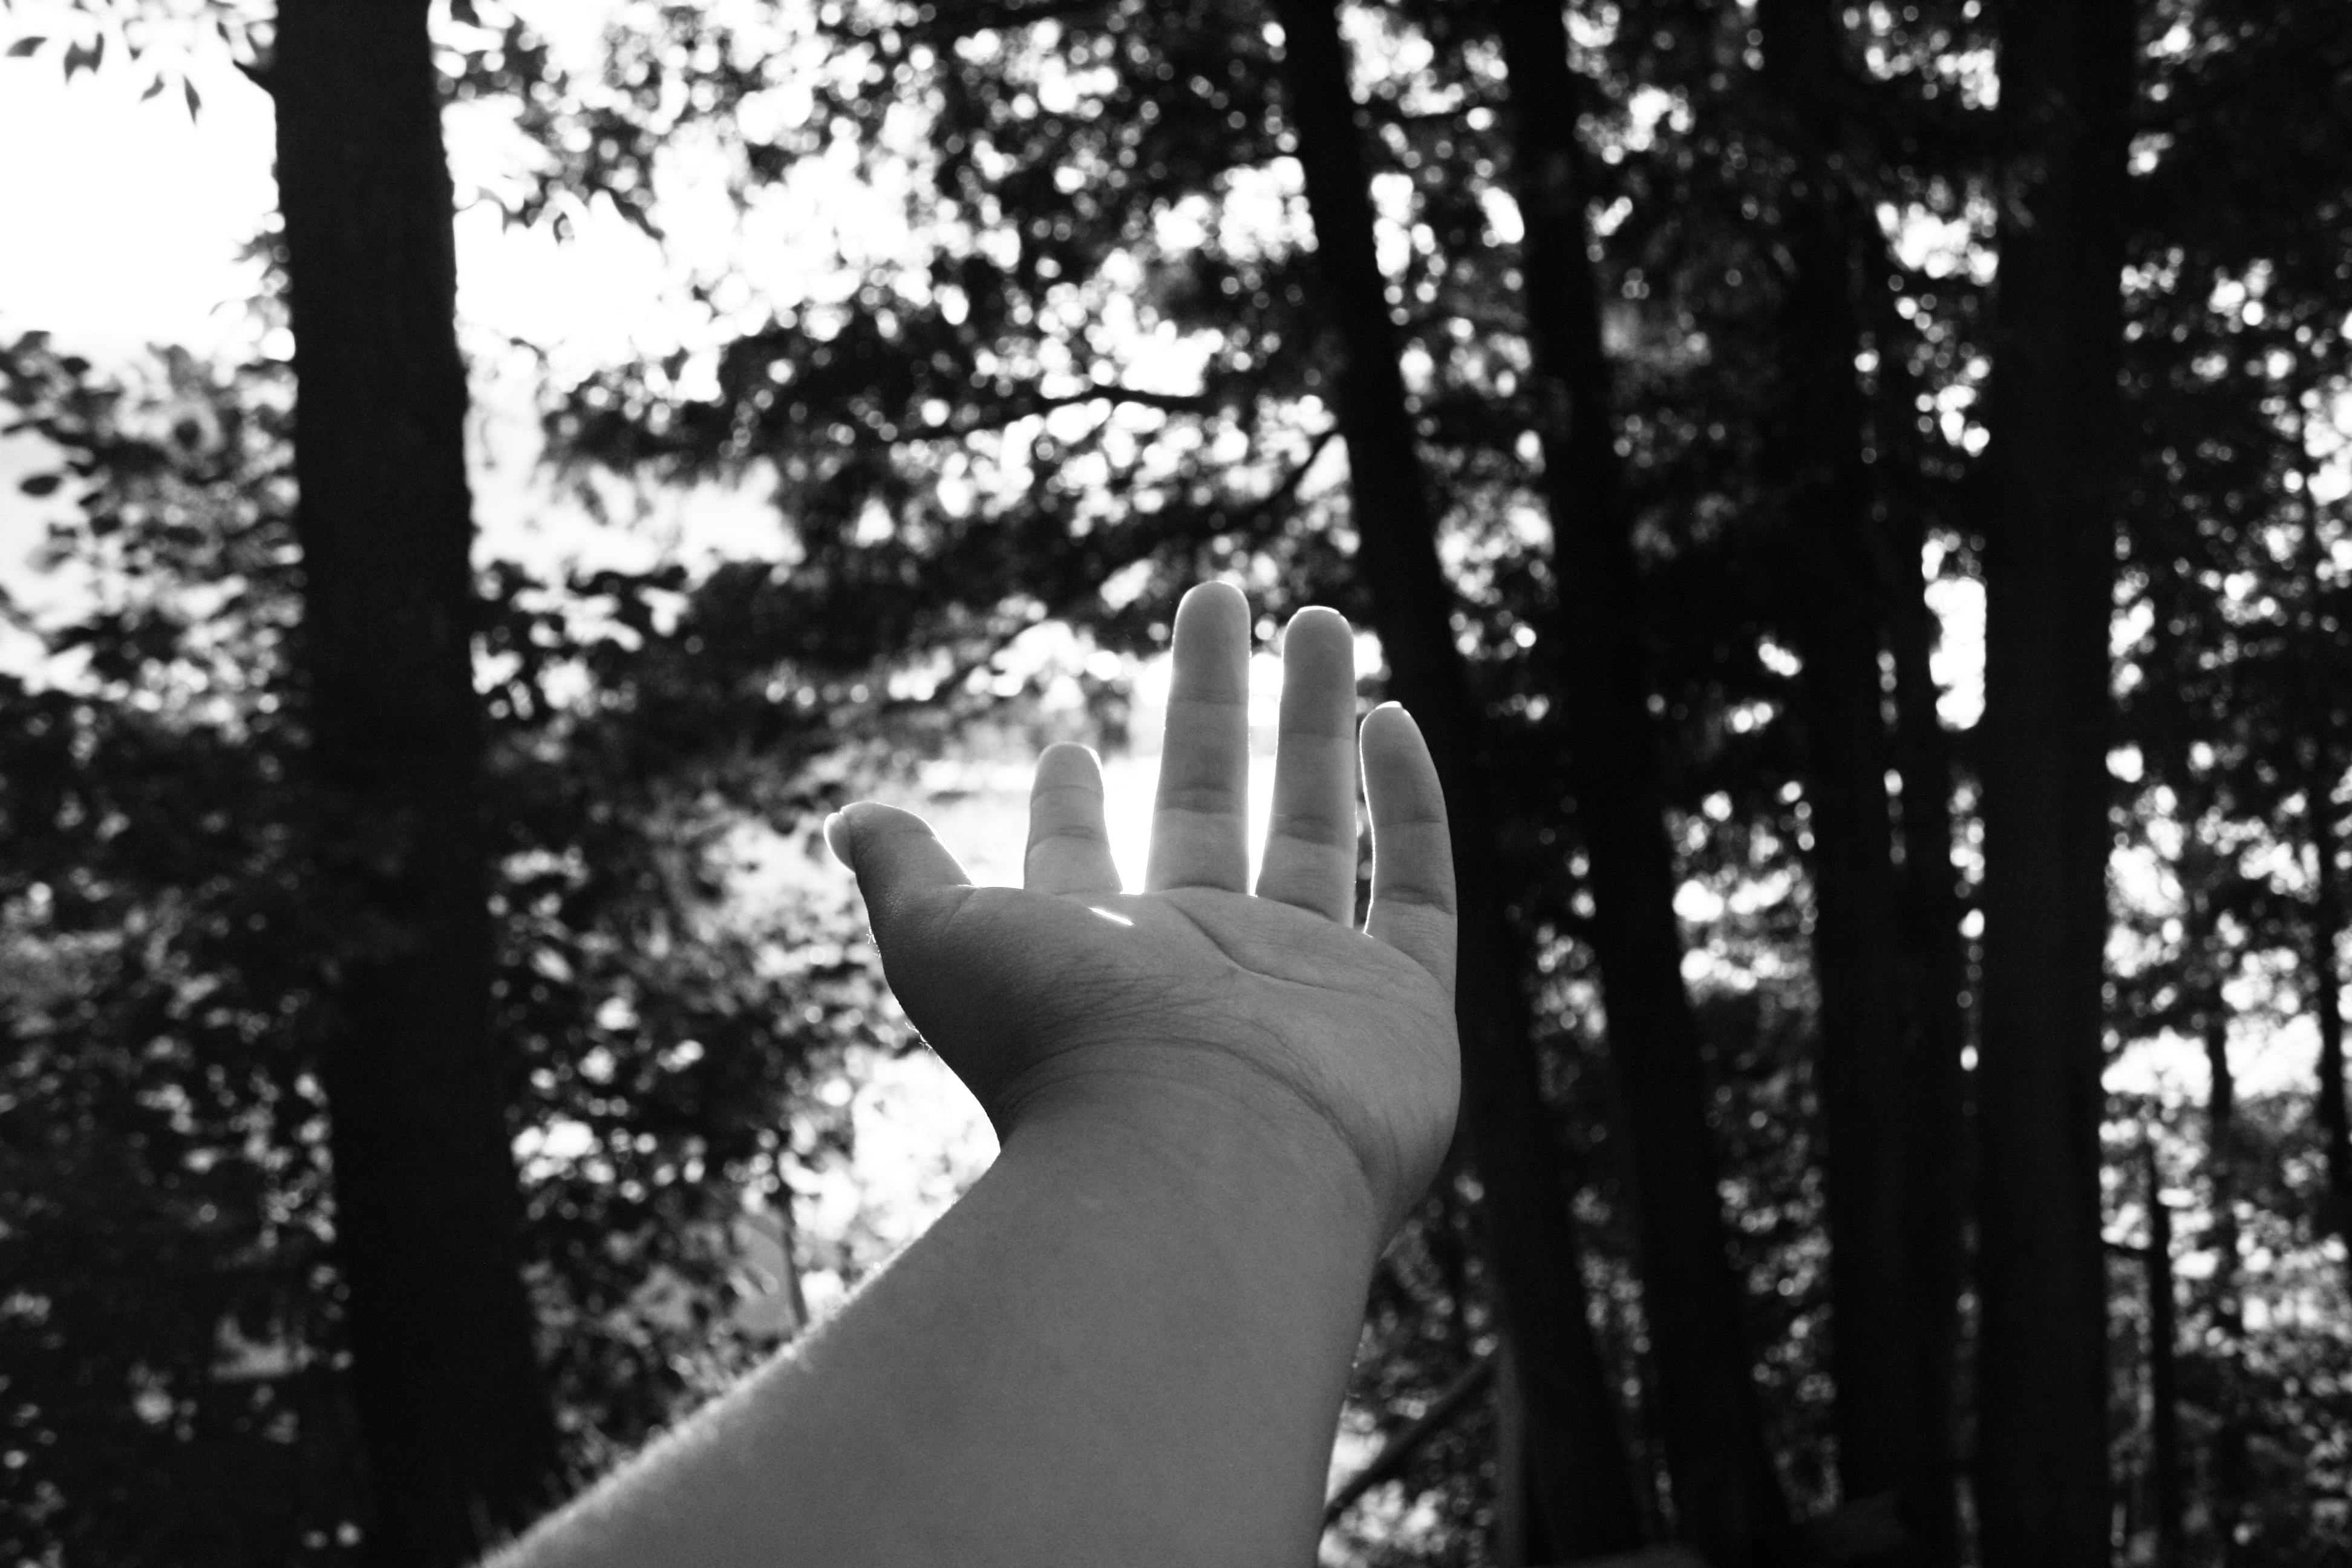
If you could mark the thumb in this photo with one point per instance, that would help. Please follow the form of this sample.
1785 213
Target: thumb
898 862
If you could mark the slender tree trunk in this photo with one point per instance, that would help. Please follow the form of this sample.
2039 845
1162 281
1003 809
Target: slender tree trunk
453 1417
1935 985
1728 1498
2321 717
2204 875
1516 1541
2052 474
2225 1306
2163 1381
1837 604
2223 1302
1577 1450
2328 1002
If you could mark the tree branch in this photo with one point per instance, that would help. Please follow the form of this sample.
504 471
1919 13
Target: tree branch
1392 1460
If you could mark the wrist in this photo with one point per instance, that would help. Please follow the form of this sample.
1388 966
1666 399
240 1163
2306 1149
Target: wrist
1221 1142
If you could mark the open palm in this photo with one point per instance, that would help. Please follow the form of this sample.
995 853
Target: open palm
1269 1004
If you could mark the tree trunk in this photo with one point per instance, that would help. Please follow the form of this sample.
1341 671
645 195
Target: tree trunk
453 1416
1576 1450
1836 602
1516 1541
1728 1498
2223 1302
2327 1003
2225 1306
2321 722
2048 562
2163 1396
1936 986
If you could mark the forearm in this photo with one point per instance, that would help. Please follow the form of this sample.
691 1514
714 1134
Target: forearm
1128 1342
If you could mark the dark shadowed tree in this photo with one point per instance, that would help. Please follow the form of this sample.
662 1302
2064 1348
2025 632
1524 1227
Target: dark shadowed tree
2319 711
2067 73
1583 1492
453 1412
1728 1498
2166 1494
1838 608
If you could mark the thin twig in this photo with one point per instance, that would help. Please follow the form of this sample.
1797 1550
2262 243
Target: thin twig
1392 1460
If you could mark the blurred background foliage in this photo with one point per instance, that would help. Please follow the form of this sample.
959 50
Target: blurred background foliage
1101 370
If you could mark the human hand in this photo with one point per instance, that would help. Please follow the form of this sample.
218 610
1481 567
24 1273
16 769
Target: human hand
1195 996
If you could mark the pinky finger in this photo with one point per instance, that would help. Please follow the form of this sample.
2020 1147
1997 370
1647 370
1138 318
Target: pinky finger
1412 857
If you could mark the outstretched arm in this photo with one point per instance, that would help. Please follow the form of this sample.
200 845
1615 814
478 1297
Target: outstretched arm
1128 1342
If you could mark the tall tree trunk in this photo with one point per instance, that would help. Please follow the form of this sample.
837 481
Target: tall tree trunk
2322 771
2224 1303
1575 1448
453 1413
2163 1381
2327 1001
1935 985
1728 1498
2048 562
1516 1541
1836 605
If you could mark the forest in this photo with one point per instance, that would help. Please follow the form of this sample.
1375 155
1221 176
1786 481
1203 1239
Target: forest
1904 1117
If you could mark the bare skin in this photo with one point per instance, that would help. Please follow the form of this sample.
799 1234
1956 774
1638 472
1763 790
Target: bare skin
1130 1340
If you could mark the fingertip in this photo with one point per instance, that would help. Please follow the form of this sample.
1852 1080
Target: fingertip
1401 778
1069 845
1213 615
1068 763
1320 620
1213 596
1318 641
1391 724
844 829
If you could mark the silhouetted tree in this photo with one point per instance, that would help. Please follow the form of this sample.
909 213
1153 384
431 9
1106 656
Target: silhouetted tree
2053 470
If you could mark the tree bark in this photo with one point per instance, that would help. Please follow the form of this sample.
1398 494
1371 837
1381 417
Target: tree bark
2327 1003
453 1412
2050 474
2223 1303
1836 605
1514 1541
2225 1306
2163 1381
1728 1497
1935 994
2321 722
1577 1451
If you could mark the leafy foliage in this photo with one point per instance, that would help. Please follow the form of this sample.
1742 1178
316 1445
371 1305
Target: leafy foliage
1089 371
168 1226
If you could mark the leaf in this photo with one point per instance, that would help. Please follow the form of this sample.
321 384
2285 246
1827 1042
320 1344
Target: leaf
40 484
195 100
152 88
23 47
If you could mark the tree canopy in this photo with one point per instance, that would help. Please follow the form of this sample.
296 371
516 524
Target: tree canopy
1705 344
